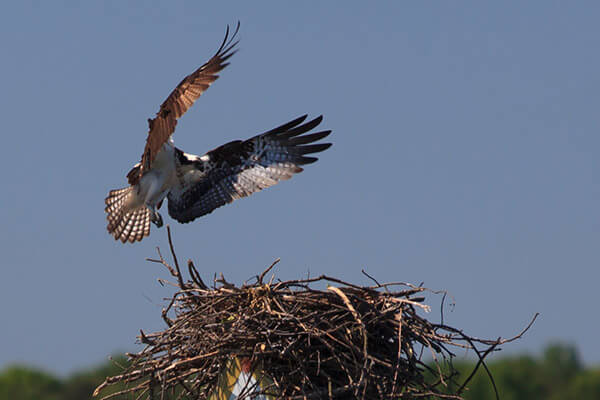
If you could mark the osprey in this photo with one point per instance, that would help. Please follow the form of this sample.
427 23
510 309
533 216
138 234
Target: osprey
197 185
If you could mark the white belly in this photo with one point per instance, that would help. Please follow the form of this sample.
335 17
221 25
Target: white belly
155 184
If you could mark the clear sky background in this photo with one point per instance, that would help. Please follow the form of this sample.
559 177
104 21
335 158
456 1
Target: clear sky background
466 145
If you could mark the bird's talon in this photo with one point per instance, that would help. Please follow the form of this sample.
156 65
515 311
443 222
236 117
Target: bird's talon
157 220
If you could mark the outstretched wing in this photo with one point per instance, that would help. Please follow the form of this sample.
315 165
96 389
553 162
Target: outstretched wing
180 100
240 168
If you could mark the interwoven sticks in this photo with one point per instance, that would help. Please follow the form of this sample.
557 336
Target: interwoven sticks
346 341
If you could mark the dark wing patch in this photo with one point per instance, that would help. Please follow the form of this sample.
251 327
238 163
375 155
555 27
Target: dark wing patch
134 174
181 99
240 168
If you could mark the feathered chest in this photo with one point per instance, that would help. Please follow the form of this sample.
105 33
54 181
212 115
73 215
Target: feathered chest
161 177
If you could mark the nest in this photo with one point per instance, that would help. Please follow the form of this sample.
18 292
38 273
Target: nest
339 342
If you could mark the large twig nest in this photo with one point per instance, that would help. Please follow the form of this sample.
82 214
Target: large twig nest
345 341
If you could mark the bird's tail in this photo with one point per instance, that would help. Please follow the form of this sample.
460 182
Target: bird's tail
123 223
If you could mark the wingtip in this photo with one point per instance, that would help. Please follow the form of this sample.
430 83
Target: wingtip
228 41
299 120
305 160
237 27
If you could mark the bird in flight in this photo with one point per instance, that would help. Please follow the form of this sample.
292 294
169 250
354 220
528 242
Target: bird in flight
197 185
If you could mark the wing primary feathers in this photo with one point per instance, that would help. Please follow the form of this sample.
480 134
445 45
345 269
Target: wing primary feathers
310 148
306 160
301 128
313 137
227 45
286 126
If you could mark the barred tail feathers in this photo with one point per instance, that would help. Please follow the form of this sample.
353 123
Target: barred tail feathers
127 225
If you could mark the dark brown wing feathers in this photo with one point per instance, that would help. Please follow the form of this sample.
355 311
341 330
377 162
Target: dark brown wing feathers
239 168
181 99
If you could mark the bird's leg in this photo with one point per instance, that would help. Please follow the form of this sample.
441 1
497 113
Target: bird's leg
155 216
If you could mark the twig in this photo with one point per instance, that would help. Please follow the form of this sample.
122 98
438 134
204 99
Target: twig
266 271
179 277
195 275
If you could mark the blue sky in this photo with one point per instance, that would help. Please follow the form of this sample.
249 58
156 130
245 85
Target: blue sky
465 156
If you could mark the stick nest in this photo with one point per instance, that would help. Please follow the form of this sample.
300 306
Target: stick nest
344 341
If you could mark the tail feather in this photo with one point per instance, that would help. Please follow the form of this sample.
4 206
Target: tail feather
126 225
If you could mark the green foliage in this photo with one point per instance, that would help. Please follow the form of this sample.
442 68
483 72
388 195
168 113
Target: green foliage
557 374
23 383
82 384
585 385
517 378
26 383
